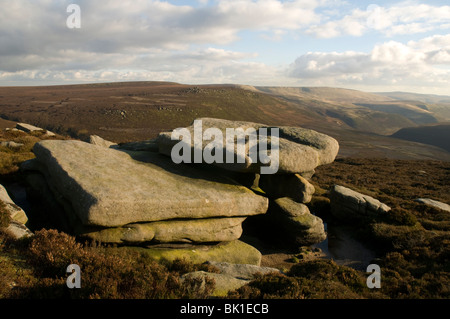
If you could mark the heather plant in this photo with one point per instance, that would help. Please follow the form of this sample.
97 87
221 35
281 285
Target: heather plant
105 274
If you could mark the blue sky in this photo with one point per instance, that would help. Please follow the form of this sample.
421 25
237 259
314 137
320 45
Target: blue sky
365 45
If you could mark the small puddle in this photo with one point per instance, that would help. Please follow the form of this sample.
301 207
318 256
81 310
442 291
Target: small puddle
18 194
344 249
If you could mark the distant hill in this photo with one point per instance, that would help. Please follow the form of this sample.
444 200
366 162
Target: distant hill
131 111
363 111
438 105
437 135
425 98
327 94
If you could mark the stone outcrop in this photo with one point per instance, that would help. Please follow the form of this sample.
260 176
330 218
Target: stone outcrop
133 194
347 203
107 187
300 150
138 197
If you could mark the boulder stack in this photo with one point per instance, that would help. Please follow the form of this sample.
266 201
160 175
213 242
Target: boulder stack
134 194
117 196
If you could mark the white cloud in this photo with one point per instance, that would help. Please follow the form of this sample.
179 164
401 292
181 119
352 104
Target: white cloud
160 40
417 63
34 33
402 18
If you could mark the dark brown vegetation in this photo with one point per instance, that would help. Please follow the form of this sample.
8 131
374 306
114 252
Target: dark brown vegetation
133 111
106 274
414 239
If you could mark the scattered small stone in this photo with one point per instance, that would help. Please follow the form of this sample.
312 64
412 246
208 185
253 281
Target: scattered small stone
11 144
434 203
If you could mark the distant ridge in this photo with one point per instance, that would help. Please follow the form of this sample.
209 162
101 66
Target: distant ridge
425 98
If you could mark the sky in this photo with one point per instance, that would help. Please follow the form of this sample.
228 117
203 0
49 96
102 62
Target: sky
374 46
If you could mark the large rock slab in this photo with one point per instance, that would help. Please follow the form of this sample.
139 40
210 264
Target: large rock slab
347 203
189 231
108 187
236 252
300 149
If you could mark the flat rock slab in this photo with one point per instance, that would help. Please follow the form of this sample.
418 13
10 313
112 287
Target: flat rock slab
434 203
300 149
189 231
31 128
108 187
346 202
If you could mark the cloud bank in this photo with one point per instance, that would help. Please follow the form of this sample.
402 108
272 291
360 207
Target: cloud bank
225 42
